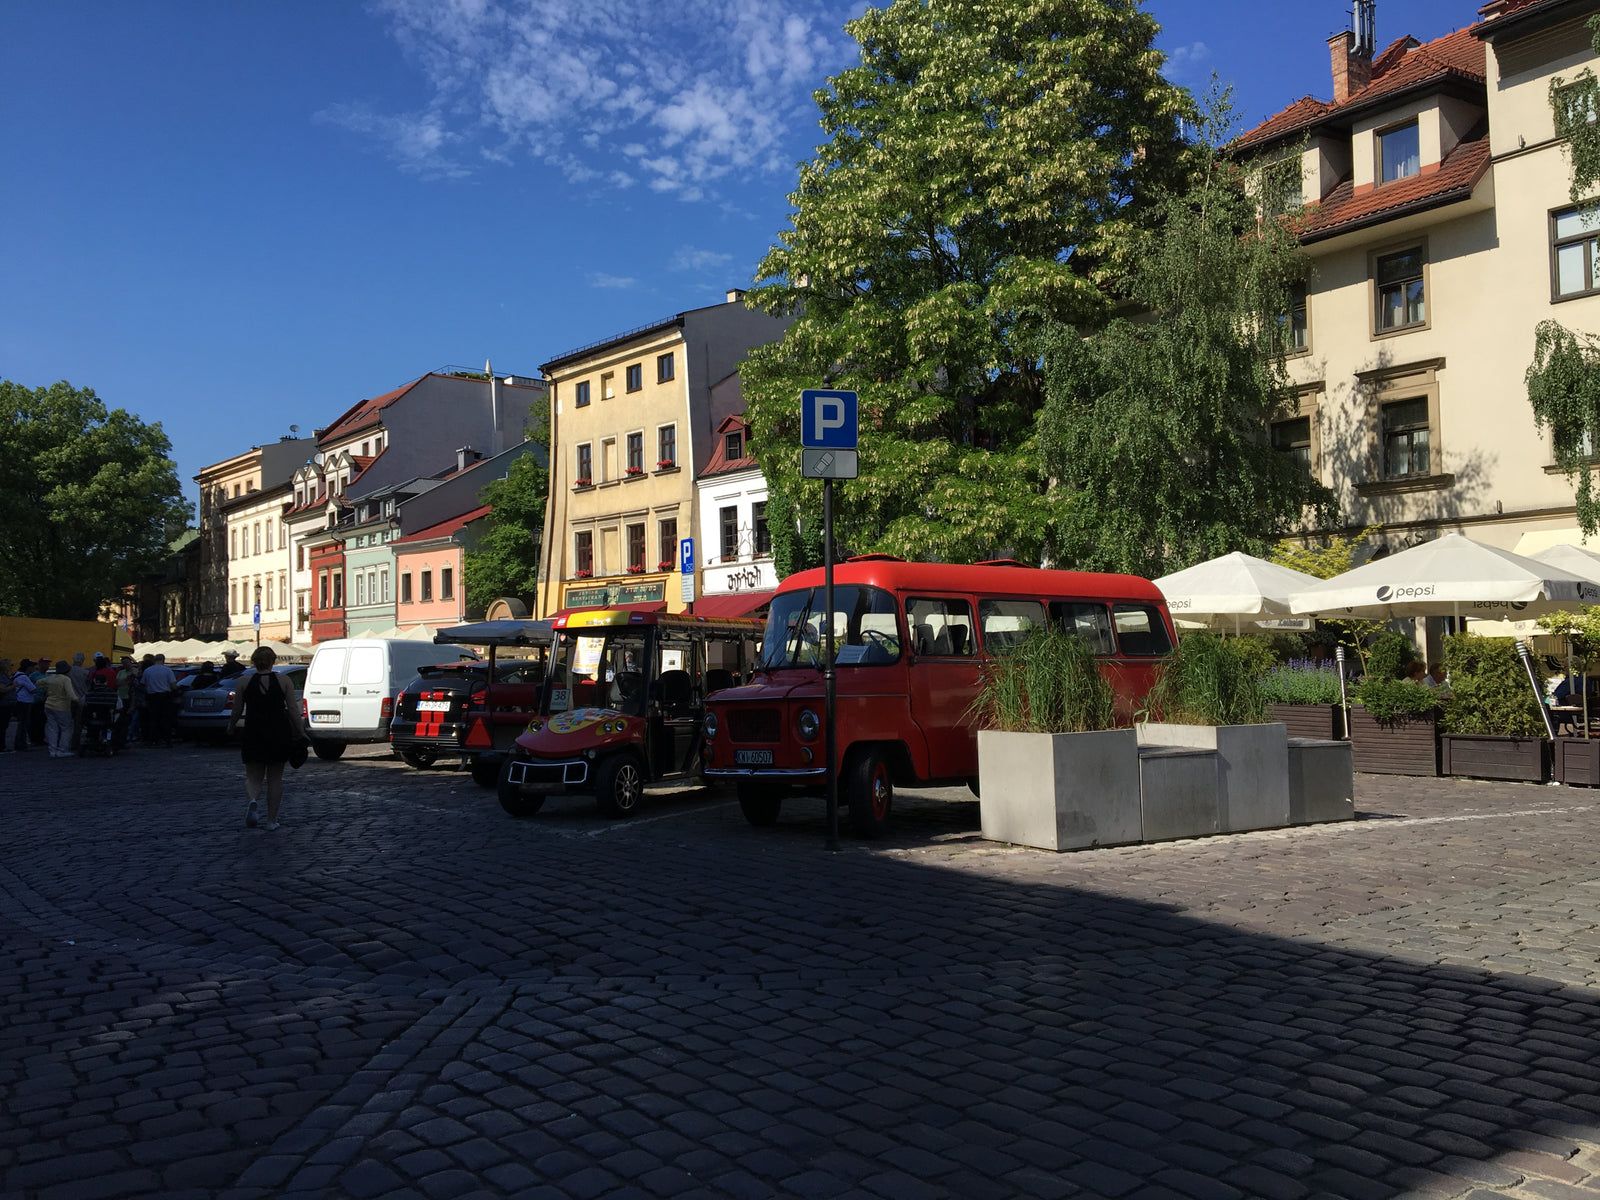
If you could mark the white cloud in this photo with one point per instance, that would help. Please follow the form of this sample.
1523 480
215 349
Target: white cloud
683 95
601 280
1181 59
690 259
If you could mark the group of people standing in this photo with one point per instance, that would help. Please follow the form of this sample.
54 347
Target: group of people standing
44 704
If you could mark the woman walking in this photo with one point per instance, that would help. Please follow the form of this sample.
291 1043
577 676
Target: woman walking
272 731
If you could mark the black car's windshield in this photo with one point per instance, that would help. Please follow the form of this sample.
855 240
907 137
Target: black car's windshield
865 632
602 669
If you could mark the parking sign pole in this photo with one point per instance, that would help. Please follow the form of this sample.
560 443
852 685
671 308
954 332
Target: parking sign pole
828 741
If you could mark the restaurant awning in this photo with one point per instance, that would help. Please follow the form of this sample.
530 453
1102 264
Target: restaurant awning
734 604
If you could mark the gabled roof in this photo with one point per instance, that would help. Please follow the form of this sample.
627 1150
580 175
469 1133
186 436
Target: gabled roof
1404 65
1343 211
364 413
720 463
445 528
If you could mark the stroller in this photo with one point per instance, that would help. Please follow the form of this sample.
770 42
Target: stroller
99 721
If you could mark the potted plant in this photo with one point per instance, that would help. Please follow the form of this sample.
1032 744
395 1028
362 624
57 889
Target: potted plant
1491 727
634 472
665 464
1576 760
583 574
638 569
582 483
1394 727
1304 695
1053 772
666 564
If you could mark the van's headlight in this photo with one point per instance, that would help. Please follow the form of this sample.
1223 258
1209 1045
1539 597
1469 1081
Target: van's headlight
808 724
711 724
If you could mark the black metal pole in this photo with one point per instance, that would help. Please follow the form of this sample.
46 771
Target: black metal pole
828 740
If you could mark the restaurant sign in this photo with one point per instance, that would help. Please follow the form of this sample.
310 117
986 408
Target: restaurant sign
617 593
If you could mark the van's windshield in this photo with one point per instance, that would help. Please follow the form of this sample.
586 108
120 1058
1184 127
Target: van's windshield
865 631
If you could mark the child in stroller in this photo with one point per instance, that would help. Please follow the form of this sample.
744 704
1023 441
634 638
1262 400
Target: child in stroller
99 719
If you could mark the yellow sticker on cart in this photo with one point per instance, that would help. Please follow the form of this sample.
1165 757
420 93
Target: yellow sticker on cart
581 718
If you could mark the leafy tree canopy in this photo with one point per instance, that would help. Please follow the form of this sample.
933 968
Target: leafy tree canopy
1155 430
91 500
505 562
984 173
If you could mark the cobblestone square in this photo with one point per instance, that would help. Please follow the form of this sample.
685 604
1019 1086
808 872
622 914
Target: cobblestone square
402 992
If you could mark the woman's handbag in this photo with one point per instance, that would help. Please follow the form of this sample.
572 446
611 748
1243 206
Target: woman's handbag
297 754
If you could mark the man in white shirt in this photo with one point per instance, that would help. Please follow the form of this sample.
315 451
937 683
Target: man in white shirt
160 686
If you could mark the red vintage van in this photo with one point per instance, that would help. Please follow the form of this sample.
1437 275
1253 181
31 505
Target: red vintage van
909 640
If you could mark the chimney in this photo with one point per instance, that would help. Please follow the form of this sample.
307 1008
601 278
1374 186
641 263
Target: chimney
462 458
735 295
1351 71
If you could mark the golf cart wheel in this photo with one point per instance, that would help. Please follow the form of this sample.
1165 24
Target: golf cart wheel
619 786
512 798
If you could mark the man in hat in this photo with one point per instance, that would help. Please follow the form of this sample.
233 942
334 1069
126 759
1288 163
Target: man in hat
232 666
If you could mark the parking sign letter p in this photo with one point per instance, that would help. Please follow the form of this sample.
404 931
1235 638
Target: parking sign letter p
830 415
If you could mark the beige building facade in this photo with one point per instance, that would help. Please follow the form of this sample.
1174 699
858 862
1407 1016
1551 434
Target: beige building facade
1441 233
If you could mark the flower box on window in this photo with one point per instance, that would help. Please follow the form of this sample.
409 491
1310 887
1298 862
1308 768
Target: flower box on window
583 483
635 471
666 564
665 464
638 570
583 574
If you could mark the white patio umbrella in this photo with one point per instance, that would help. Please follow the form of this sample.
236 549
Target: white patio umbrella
1450 576
1574 560
1235 587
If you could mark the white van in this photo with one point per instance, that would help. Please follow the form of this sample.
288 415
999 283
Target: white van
350 688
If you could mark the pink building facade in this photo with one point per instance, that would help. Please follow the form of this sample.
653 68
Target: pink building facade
428 570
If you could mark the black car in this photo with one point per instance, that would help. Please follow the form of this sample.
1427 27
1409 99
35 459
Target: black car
443 710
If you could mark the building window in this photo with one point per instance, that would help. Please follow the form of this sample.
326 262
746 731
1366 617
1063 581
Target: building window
635 377
635 453
667 446
383 585
668 529
580 394
1576 247
377 445
233 543
322 590
338 589
258 537
733 445
583 553
269 537
664 368
1293 437
730 533
269 604
585 464
1401 304
427 586
608 385
1405 438
361 590
233 597
636 547
405 587
1296 330
283 589
758 518
1399 153
447 583
300 558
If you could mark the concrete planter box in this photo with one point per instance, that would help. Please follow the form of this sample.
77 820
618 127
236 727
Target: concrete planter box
1577 761
1060 791
1322 722
1487 756
1407 747
1252 769
1177 792
1322 781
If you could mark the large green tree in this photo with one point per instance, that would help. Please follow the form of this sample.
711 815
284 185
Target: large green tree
89 499
1155 432
505 562
984 174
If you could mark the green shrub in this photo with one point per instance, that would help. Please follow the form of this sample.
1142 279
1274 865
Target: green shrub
1047 683
1489 689
1301 681
1389 655
1395 699
1208 680
1259 653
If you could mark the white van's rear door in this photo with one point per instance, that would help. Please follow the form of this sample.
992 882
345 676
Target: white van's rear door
324 691
366 683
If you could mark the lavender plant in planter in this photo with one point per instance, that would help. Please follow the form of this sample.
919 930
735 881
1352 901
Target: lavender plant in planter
1304 695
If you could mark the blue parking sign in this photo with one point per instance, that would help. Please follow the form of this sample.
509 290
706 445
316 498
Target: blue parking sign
686 556
828 420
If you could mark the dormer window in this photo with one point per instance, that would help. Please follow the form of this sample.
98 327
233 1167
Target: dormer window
733 445
1399 152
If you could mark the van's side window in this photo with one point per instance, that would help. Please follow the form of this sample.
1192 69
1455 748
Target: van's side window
941 628
1091 622
1140 629
1007 622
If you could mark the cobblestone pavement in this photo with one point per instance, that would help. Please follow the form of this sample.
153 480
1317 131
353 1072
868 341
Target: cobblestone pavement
403 992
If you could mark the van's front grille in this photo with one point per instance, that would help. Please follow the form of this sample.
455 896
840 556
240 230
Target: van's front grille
754 724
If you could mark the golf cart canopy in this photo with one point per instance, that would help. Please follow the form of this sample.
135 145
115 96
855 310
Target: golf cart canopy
496 633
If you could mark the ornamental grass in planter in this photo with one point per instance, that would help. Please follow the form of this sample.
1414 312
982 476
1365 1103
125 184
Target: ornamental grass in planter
1208 680
1052 771
1304 695
1491 727
1394 727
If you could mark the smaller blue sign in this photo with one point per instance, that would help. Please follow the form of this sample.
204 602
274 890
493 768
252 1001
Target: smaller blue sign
828 420
258 614
686 556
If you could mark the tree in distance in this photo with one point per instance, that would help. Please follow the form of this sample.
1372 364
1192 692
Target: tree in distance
91 500
505 561
984 174
1155 430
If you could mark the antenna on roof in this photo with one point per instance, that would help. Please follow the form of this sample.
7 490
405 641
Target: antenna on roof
1366 14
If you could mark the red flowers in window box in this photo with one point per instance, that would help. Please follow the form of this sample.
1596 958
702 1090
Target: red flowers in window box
583 483
635 470
583 574
666 564
638 570
665 464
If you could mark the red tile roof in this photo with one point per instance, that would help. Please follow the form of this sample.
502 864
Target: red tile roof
364 412
1342 210
445 528
1404 63
720 462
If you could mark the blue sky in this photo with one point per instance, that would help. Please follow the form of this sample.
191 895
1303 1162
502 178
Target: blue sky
236 217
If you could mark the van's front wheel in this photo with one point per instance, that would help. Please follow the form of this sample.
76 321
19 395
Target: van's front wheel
619 786
869 789
760 803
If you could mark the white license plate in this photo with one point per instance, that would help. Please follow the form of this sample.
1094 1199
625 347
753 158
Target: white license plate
433 706
324 718
203 704
752 758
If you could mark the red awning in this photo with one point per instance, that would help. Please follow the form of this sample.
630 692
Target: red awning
653 606
736 604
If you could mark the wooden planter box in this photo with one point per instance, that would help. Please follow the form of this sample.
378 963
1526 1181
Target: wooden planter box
1322 722
1577 761
1487 756
1409 747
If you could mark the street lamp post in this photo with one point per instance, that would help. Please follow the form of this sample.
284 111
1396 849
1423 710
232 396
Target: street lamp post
257 614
